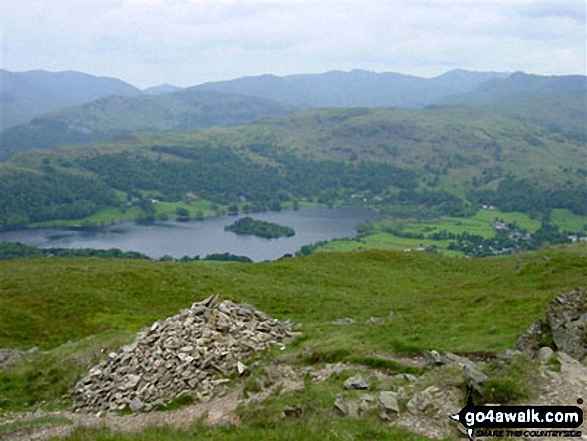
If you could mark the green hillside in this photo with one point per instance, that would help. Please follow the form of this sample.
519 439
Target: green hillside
483 304
439 160
111 116
24 95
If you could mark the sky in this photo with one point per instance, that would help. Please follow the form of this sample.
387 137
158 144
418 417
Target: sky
188 42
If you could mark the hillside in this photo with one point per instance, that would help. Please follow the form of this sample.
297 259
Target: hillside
24 95
554 102
110 116
519 84
557 102
162 89
357 313
445 159
357 88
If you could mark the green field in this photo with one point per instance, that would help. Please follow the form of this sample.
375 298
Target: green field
382 235
383 241
569 221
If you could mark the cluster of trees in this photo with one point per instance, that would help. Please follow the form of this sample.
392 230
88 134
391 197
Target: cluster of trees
438 201
247 225
221 175
16 250
29 196
215 173
218 257
520 195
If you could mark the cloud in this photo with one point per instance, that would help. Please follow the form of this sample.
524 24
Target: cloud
190 41
572 10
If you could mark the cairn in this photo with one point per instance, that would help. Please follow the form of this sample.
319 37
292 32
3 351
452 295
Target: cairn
191 352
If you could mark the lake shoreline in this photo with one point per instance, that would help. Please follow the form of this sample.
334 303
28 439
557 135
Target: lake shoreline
202 237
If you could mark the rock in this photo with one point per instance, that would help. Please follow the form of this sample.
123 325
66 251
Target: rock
388 401
373 320
357 382
567 317
367 403
450 358
289 411
191 352
344 321
433 358
346 407
136 405
544 354
422 401
410 377
8 356
384 417
475 378
508 354
531 340
564 328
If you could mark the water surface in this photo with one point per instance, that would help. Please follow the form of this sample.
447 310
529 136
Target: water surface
178 239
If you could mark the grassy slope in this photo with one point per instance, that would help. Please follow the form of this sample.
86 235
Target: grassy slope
47 302
460 305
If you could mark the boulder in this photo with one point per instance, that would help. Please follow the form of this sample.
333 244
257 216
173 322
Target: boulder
367 403
544 354
346 407
357 382
475 378
388 401
564 327
567 317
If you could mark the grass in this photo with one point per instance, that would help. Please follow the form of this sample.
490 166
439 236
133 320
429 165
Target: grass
382 241
509 381
47 302
46 377
457 305
569 221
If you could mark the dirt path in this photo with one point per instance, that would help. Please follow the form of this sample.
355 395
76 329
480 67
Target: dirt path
218 410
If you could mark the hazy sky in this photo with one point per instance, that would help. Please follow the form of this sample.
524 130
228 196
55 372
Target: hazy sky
187 42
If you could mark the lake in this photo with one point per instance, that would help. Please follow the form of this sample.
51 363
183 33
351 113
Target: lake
178 239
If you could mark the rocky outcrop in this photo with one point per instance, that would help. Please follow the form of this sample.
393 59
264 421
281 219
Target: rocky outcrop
191 352
563 329
8 356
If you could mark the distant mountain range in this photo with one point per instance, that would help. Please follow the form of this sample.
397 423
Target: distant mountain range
24 95
162 89
358 88
111 106
111 116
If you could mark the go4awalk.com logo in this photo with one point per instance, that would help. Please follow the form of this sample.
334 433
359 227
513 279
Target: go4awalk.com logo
520 421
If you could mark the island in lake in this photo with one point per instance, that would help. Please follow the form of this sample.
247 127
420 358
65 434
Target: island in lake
247 225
